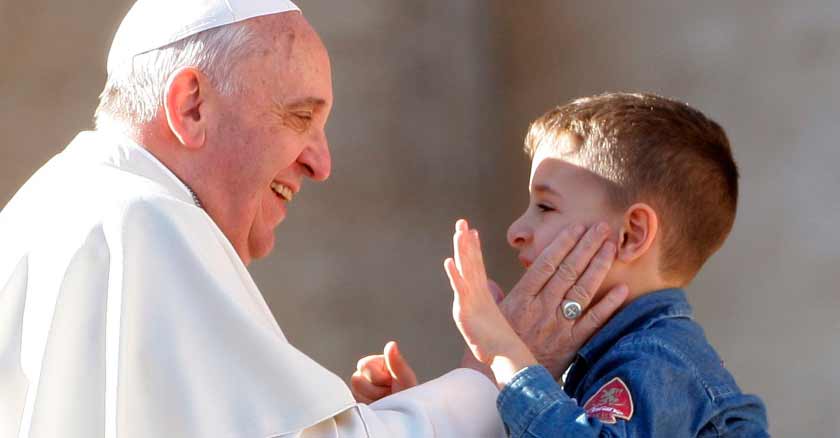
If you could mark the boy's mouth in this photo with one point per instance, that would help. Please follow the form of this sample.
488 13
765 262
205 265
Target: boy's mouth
526 263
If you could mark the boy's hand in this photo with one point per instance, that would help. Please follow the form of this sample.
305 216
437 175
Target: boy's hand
486 331
381 375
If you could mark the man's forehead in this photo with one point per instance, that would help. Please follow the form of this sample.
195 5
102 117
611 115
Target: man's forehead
292 43
294 64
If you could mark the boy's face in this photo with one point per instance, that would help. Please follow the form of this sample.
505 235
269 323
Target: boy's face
562 193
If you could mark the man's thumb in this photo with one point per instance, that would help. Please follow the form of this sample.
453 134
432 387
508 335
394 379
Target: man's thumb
496 291
399 368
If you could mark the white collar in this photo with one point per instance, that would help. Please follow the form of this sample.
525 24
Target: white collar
118 150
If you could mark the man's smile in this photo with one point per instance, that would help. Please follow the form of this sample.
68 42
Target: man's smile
283 191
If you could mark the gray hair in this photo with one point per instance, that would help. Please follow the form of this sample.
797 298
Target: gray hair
134 92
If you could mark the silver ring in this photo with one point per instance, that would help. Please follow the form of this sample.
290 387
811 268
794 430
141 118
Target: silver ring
571 309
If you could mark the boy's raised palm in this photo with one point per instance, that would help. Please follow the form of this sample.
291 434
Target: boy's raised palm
484 328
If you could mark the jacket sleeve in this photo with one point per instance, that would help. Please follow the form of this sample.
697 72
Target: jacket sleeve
666 399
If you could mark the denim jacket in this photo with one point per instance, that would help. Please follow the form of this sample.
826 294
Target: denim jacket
649 372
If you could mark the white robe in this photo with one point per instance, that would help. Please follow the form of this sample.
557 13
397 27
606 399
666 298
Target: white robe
125 312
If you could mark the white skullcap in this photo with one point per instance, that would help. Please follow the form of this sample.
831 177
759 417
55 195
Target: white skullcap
152 24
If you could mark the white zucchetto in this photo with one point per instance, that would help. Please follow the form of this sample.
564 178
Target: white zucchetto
152 24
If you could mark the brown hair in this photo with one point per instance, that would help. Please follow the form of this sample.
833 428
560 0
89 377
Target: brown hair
659 151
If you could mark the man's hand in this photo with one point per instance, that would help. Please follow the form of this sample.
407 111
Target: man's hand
528 326
572 267
381 375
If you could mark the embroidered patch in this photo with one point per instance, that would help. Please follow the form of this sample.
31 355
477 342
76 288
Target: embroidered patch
611 402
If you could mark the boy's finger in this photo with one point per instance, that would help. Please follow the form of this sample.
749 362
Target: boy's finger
462 225
458 249
455 280
374 369
399 368
461 228
479 274
589 282
600 313
544 267
465 256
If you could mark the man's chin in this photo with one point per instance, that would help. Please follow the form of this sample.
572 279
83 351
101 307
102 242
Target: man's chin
259 248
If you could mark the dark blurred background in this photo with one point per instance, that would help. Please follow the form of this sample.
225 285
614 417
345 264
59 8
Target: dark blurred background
432 102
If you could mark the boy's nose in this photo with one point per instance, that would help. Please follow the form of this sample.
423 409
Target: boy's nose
518 234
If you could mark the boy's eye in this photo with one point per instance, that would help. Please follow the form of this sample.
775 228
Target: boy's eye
545 208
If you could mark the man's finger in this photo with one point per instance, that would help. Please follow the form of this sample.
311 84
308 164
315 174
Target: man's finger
564 281
599 314
545 265
399 368
589 244
374 369
366 392
496 291
590 281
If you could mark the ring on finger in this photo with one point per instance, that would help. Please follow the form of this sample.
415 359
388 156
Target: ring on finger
571 309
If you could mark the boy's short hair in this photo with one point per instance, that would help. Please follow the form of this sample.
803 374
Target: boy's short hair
654 150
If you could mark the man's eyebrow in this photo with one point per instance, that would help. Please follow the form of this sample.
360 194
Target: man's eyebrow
306 102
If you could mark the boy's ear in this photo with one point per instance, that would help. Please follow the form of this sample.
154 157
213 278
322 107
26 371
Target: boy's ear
184 105
637 232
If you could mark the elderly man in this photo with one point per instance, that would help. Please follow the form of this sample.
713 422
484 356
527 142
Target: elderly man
126 309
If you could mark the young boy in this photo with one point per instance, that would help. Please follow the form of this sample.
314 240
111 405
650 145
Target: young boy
662 175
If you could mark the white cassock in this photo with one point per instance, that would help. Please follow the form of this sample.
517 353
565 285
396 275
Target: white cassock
125 312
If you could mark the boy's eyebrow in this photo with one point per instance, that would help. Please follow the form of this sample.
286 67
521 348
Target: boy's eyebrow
545 188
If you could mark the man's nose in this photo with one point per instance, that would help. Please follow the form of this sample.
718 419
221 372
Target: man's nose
317 160
518 234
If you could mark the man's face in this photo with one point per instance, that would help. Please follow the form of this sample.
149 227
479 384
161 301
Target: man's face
561 194
268 139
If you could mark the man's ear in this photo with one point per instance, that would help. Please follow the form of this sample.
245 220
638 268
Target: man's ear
184 104
638 232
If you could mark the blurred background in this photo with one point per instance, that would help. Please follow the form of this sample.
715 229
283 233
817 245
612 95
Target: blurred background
432 102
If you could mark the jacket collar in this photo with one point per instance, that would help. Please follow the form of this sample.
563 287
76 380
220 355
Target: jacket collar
640 314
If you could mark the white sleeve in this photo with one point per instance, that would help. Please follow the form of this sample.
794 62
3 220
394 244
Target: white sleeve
459 404
200 354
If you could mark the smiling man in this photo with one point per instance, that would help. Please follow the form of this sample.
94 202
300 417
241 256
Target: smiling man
126 309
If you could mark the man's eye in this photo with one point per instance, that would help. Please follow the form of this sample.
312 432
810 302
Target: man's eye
545 208
299 121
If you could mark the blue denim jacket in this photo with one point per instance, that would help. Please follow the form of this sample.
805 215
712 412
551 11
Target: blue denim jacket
649 372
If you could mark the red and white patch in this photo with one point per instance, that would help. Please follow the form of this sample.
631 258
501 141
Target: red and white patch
610 403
